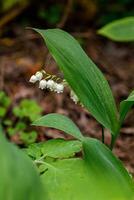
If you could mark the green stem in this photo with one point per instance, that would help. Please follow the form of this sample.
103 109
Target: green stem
103 136
45 163
112 142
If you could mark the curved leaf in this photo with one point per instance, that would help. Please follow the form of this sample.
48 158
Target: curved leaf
59 122
125 106
18 177
83 76
113 177
121 30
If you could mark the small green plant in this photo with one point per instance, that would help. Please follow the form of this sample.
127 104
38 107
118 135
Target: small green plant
81 169
121 30
4 103
22 115
98 170
27 109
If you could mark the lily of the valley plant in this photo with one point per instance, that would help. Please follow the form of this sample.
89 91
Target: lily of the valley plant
96 174
90 87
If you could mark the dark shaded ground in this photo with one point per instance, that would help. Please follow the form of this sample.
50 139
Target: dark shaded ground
23 56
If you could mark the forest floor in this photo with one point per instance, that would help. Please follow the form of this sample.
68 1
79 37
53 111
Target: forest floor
23 56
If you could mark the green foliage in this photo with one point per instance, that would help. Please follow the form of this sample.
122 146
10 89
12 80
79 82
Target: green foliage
60 122
85 79
94 173
22 116
120 30
18 176
5 102
27 109
99 174
54 148
125 106
81 178
113 10
28 137
2 111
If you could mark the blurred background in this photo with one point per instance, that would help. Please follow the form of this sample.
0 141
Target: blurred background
22 53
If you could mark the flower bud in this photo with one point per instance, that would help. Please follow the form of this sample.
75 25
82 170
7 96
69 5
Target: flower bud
74 97
33 79
39 75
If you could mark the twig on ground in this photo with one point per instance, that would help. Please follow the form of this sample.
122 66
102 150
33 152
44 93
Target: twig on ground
128 131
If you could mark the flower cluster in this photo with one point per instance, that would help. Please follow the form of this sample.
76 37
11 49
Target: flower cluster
45 83
50 82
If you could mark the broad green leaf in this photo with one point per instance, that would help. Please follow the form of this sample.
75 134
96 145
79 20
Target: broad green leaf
85 79
54 148
67 179
99 176
125 106
121 30
59 122
112 177
19 179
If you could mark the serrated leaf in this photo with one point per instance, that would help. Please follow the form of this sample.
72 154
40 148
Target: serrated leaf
125 106
33 150
54 148
18 176
85 79
121 30
27 109
59 122
60 148
99 176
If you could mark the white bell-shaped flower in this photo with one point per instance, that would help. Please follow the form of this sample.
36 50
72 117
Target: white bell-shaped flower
42 84
50 85
58 88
